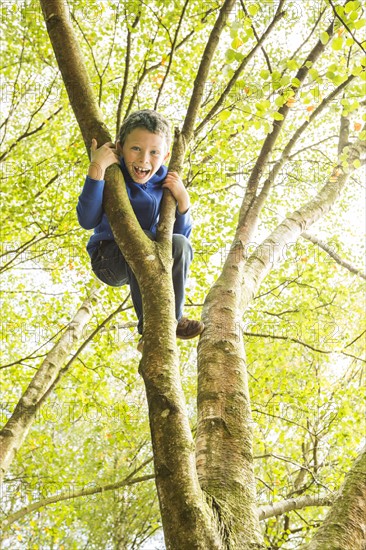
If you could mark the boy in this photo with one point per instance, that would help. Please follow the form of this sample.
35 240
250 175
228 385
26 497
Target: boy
141 148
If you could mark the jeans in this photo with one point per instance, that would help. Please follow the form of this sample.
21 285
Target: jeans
110 266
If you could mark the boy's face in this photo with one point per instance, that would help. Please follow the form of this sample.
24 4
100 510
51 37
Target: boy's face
143 153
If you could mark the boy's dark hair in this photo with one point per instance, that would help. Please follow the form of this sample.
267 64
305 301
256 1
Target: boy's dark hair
146 118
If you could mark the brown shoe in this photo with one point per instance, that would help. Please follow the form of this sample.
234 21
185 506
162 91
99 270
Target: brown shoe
189 328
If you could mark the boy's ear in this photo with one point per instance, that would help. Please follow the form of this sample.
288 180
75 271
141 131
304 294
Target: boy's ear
166 156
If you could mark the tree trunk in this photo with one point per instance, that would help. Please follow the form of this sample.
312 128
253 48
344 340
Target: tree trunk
344 528
224 430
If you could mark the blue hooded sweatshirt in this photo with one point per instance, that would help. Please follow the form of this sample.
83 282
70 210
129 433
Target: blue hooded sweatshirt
145 200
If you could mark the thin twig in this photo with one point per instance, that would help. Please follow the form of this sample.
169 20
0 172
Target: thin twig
346 26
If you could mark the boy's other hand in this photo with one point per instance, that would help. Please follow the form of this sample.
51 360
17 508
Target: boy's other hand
101 158
175 185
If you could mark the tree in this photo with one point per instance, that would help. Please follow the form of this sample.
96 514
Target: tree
207 489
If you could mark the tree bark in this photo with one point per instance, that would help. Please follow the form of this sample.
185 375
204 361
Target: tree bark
73 71
344 528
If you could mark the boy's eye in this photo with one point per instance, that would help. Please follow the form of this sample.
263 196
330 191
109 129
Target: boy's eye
135 148
155 152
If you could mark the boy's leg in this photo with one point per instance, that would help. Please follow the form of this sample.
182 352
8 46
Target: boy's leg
182 258
110 266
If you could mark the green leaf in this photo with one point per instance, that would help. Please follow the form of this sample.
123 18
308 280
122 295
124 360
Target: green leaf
292 64
224 115
230 55
277 116
357 163
314 74
295 82
236 43
360 23
264 74
285 80
280 100
263 105
350 6
253 9
337 43
324 37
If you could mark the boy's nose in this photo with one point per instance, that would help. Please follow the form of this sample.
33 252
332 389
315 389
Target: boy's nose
144 157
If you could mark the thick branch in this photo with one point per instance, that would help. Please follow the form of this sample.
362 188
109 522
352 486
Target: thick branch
291 228
182 138
264 512
278 15
202 74
74 73
16 516
177 483
16 429
285 506
294 139
245 227
224 430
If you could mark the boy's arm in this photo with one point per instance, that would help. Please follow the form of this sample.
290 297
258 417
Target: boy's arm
90 205
175 185
183 222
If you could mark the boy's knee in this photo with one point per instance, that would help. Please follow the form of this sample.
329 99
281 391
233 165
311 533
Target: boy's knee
181 246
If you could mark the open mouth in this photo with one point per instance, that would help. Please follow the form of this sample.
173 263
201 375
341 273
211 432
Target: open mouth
141 172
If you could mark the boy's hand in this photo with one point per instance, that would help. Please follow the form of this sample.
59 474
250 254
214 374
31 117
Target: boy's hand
101 158
175 185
